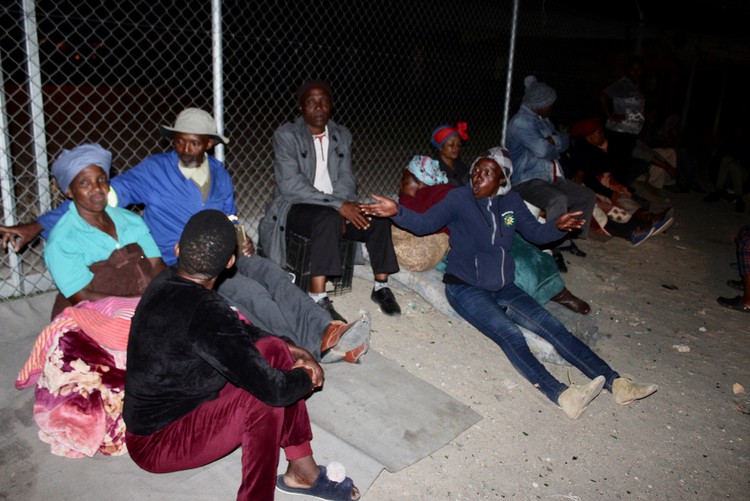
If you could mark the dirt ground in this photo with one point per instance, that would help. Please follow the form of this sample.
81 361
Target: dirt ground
658 320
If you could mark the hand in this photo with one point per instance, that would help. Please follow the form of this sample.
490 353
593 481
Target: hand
303 358
20 235
621 191
383 207
248 248
351 212
569 221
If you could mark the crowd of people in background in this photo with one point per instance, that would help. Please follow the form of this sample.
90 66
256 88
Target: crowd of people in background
495 229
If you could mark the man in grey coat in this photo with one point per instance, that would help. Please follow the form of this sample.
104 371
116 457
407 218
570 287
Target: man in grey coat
315 197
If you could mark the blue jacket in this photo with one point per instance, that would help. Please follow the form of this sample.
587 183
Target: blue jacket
169 198
481 234
529 149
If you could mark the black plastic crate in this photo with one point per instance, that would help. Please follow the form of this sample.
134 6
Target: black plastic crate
298 263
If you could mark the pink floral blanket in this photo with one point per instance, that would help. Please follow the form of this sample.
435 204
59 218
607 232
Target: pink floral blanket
78 366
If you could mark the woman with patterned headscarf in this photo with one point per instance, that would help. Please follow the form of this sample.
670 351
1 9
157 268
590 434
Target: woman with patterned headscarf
479 280
423 185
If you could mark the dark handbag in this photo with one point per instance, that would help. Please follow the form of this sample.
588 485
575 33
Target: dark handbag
126 272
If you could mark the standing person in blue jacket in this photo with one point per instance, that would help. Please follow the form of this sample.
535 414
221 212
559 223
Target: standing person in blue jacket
174 186
482 219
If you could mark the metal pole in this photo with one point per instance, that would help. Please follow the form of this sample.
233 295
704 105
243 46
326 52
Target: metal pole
641 30
722 95
509 75
688 97
7 194
36 104
216 49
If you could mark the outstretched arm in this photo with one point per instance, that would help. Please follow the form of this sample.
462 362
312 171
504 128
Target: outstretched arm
20 235
382 207
569 221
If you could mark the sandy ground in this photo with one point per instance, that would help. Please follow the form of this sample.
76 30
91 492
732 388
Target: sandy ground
690 440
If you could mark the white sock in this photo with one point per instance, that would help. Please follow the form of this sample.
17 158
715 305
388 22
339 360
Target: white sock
380 285
317 297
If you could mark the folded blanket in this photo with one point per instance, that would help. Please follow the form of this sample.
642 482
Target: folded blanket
106 321
78 398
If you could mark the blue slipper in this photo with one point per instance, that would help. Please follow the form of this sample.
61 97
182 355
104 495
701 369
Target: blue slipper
322 488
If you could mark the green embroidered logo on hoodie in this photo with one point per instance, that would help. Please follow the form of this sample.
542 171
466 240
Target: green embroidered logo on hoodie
509 219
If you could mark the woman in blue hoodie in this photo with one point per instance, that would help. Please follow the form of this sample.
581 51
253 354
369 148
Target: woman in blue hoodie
482 218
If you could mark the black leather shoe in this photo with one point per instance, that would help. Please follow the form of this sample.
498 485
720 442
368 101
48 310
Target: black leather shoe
386 301
560 261
327 305
573 249
736 284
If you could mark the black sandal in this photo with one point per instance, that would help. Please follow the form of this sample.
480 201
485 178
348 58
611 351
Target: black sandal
734 303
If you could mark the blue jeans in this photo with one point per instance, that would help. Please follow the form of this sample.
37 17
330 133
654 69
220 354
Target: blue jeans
496 314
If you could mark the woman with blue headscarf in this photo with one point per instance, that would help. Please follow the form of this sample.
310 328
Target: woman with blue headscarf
91 233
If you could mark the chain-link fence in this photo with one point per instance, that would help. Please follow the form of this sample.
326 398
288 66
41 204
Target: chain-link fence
85 71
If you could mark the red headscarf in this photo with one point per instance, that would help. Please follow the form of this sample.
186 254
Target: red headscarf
445 132
583 128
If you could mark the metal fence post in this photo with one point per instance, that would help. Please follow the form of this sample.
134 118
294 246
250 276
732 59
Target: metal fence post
218 73
7 193
36 104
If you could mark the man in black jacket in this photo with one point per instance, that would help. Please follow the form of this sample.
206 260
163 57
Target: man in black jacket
201 382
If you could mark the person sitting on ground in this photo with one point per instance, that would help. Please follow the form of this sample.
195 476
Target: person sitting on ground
482 219
730 169
535 146
423 185
448 140
175 185
658 151
246 388
740 303
315 197
587 161
101 259
96 251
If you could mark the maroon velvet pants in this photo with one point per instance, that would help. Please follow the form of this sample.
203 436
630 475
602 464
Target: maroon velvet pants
234 419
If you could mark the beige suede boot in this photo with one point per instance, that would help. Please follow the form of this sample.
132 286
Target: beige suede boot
625 390
575 399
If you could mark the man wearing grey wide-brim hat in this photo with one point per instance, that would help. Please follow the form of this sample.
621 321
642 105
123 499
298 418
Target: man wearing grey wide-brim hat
174 186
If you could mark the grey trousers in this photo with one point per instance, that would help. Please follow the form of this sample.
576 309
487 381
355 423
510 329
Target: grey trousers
266 295
557 199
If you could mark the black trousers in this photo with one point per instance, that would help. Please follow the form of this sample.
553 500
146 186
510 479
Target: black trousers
324 227
620 152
